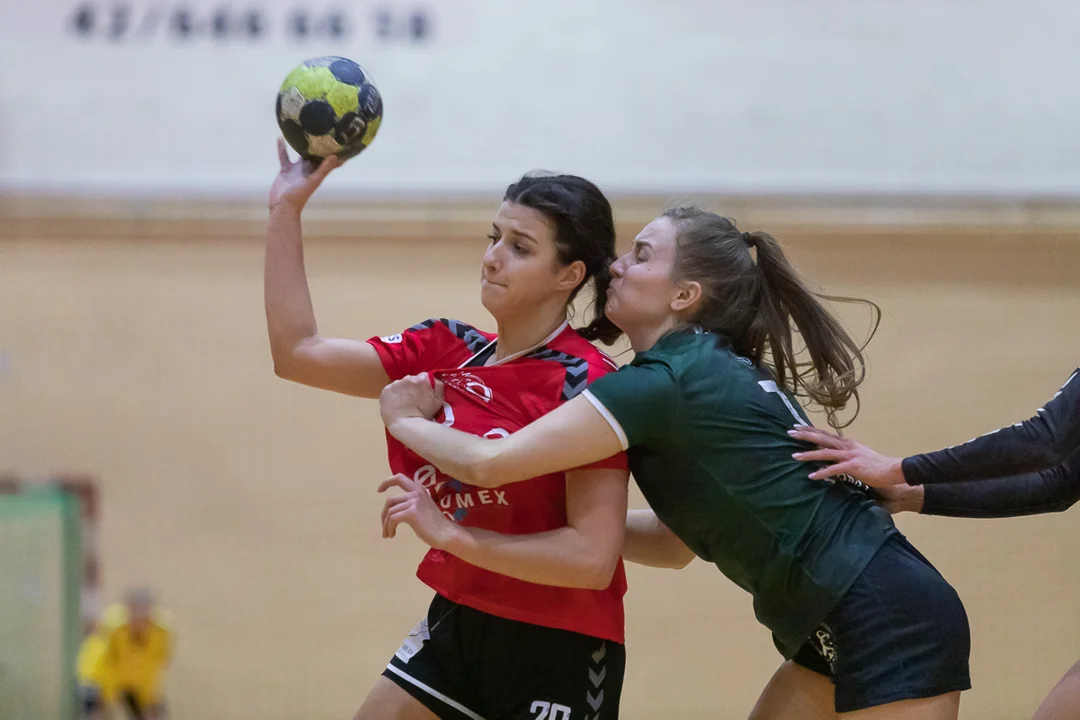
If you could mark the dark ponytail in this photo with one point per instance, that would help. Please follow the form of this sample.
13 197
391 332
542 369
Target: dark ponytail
584 230
756 299
600 327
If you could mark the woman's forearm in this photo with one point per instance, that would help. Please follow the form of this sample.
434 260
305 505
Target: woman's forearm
290 316
562 558
649 542
1041 442
455 453
571 436
1051 490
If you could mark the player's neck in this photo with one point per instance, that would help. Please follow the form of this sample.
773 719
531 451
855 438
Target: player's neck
522 334
643 338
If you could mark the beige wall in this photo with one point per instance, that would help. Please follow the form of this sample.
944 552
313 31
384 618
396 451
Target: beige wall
249 502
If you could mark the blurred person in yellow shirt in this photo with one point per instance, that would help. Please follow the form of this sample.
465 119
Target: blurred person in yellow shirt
122 662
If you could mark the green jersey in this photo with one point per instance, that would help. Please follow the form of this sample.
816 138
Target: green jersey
706 433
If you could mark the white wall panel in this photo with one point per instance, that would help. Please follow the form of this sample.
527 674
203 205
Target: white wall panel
775 96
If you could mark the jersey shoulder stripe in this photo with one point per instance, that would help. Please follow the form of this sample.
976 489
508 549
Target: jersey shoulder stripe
577 370
474 339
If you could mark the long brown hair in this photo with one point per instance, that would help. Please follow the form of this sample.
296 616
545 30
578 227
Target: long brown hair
754 297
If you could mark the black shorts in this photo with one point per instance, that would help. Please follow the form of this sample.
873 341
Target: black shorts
899 633
463 664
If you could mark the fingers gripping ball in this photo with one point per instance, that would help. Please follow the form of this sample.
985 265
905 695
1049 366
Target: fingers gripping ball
329 106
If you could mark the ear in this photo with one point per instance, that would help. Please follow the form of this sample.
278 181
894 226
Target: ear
687 297
571 276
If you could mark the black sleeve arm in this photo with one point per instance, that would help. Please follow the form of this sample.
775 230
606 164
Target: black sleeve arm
1041 442
1050 490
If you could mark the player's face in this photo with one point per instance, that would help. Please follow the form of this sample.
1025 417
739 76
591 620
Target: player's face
642 290
139 617
521 271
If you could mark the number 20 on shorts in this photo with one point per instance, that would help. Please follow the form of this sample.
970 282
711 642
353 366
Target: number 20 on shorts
549 711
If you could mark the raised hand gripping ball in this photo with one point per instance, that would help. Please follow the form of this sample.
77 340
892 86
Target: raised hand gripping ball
329 106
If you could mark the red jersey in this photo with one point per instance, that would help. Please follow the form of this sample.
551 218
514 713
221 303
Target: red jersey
494 401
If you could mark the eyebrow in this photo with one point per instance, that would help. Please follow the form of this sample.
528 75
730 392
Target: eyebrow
519 233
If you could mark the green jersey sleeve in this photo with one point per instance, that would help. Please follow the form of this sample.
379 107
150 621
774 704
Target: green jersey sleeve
639 402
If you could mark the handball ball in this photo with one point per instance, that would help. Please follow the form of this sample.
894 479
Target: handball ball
329 106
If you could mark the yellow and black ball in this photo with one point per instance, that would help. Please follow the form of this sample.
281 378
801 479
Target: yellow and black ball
329 106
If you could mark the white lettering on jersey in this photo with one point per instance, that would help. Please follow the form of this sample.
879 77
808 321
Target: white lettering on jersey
472 498
448 412
476 386
769 386
425 476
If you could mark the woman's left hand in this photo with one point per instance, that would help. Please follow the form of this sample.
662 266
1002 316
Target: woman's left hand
847 457
412 396
417 509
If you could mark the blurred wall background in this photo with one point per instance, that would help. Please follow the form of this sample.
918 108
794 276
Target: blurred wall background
921 155
145 96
